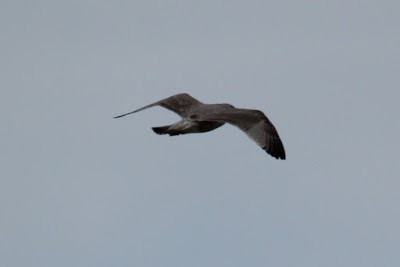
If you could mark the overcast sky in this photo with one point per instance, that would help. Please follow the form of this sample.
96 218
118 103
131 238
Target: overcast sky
78 188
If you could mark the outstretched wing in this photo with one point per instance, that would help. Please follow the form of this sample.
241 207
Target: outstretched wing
256 125
180 104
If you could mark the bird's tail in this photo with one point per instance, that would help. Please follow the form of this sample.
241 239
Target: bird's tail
166 130
161 130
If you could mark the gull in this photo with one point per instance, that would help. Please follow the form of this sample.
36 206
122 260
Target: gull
198 117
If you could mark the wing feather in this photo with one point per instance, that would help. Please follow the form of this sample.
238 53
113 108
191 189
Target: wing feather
181 104
256 125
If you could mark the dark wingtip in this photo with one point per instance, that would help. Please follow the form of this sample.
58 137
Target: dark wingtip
278 155
122 115
276 150
119 116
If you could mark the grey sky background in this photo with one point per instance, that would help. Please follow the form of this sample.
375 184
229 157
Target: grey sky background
78 188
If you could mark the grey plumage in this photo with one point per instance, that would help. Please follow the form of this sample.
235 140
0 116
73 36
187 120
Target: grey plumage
198 117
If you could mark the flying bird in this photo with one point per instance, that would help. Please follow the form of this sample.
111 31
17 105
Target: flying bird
198 117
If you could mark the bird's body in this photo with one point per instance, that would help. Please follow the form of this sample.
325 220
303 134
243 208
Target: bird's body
198 117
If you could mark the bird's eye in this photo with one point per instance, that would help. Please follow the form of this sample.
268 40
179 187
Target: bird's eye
193 116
